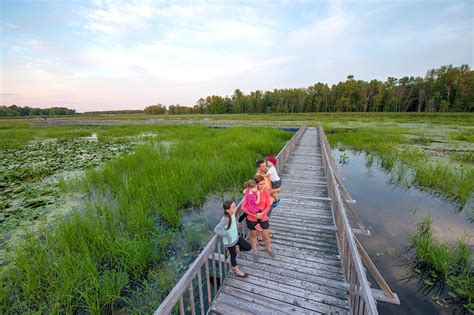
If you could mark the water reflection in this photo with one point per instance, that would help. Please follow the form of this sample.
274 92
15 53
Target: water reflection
390 211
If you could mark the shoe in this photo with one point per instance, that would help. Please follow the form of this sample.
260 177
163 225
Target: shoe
258 228
272 254
276 203
239 276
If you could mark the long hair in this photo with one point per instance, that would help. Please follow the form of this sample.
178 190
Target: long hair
226 205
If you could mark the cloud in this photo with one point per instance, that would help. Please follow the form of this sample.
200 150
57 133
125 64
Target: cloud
113 18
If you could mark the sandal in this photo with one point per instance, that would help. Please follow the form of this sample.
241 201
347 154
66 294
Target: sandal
239 276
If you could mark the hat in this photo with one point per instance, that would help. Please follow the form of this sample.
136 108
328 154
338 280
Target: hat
272 159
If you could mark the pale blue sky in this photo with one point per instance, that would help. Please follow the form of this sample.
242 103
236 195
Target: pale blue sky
103 55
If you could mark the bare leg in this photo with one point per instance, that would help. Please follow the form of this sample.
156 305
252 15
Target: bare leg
266 240
253 241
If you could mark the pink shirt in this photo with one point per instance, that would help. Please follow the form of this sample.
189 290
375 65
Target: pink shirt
264 205
251 199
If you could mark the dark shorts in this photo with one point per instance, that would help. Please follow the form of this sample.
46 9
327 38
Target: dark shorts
251 225
276 184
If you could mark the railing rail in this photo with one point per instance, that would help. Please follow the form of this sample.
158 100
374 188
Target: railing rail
361 296
213 253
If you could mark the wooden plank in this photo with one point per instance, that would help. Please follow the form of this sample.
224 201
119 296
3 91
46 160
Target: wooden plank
302 197
329 239
201 297
336 276
380 295
304 304
208 283
246 306
316 301
264 300
337 284
300 262
321 228
222 308
299 240
314 287
304 255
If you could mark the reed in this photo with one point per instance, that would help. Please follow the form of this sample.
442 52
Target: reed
98 259
454 265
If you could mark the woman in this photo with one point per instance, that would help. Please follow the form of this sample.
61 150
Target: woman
264 205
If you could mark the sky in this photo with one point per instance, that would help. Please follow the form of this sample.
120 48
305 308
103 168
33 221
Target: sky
111 55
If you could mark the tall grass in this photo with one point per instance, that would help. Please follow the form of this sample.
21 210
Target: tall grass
409 166
454 265
99 260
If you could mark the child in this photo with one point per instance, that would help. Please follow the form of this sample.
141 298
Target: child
253 199
227 228
271 161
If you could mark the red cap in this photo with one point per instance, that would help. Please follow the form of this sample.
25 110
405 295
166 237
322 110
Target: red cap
272 159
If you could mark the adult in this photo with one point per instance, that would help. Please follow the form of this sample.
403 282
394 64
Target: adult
262 170
264 205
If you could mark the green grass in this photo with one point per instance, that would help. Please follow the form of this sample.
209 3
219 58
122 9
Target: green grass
408 164
99 260
451 264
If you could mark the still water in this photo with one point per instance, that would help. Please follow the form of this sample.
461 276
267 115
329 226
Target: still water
390 212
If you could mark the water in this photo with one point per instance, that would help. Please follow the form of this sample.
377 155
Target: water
390 212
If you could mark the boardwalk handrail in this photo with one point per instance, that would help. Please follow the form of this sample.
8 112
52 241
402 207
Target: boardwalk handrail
213 251
361 296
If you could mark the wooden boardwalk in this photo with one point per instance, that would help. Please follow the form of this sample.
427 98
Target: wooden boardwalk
306 276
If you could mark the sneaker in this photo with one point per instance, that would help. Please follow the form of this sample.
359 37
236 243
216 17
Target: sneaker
272 254
258 227
276 203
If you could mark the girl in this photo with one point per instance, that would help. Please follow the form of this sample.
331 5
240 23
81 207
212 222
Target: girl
252 196
227 228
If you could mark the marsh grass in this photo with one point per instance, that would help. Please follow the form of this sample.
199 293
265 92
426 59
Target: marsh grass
408 165
438 262
102 259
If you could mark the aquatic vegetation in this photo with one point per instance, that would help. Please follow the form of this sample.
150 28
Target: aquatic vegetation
102 258
392 147
440 262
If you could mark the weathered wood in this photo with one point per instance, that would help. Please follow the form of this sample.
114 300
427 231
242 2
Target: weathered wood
288 289
283 293
191 299
331 292
181 306
201 297
244 304
208 282
338 284
374 271
380 295
272 303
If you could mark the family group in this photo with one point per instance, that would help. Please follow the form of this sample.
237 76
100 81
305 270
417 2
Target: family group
260 197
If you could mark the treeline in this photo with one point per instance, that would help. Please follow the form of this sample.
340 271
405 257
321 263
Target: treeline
123 111
13 110
447 89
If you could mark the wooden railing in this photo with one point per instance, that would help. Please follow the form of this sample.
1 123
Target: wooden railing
182 297
361 296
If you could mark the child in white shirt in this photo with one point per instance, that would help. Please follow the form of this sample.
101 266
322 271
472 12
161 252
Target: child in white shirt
271 161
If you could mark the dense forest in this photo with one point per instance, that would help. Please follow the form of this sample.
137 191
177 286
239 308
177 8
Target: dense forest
14 110
447 89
